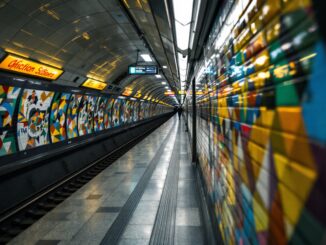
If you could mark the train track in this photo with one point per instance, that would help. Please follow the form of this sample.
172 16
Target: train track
23 216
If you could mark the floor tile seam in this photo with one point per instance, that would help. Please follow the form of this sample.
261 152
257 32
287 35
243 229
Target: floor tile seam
142 185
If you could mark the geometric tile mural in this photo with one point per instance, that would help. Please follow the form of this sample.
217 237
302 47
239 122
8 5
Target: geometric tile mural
33 119
261 126
8 99
85 115
99 114
135 111
128 112
108 121
122 112
141 112
116 112
72 116
58 117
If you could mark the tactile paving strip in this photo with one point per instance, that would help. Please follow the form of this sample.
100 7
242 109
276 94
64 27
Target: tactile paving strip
164 227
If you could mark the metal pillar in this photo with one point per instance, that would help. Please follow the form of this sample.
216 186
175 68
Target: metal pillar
194 122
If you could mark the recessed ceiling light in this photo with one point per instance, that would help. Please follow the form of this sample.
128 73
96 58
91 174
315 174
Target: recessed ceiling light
146 57
163 83
164 67
158 76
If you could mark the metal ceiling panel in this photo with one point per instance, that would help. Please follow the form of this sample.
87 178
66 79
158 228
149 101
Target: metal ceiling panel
85 38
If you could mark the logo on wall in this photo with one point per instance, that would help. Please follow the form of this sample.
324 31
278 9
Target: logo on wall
33 119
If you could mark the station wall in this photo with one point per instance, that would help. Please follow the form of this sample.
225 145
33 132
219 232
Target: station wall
31 117
261 124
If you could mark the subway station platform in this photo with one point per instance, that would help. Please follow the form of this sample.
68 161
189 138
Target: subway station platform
148 196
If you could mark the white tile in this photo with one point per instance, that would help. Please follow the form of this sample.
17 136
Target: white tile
188 217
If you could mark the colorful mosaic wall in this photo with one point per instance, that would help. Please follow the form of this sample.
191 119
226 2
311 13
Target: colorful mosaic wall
8 99
261 125
58 117
135 111
85 115
33 119
128 112
30 117
116 113
123 116
108 122
72 116
99 114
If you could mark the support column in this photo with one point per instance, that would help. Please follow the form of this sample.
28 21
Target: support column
194 122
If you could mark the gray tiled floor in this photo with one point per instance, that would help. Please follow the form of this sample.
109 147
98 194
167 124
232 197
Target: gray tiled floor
86 216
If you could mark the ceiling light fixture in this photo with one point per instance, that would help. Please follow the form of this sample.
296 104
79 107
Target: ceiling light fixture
158 76
164 67
183 15
146 57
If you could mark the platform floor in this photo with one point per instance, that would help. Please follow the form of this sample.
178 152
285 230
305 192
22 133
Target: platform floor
147 196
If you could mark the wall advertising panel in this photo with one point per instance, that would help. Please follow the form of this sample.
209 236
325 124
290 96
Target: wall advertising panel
141 110
72 116
122 111
116 113
99 114
8 99
108 121
85 115
128 111
58 117
146 106
135 111
33 119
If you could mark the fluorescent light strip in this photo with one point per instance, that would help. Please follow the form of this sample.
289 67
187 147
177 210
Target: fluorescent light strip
146 57
167 12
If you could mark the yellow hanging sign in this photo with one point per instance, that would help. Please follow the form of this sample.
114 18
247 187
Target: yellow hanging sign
28 67
90 83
